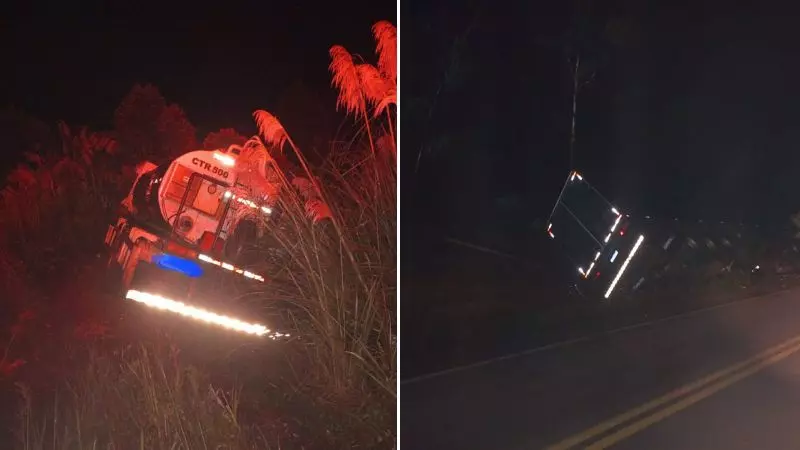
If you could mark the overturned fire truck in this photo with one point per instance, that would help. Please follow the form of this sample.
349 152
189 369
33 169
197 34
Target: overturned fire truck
189 218
612 253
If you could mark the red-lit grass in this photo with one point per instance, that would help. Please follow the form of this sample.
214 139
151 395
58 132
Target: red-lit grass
134 398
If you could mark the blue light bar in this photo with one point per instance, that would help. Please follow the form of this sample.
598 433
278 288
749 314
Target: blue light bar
188 267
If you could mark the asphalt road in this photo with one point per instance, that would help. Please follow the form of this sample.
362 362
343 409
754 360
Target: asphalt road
726 377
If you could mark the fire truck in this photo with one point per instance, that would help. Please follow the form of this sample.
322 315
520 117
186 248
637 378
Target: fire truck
190 218
612 252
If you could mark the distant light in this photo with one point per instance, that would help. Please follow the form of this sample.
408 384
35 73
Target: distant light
552 236
614 256
572 178
614 210
228 194
597 256
624 265
224 159
579 176
266 210
589 270
608 236
580 269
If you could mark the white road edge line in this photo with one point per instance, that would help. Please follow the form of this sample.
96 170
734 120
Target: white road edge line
585 338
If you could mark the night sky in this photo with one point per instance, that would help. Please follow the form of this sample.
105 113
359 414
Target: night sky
219 62
692 113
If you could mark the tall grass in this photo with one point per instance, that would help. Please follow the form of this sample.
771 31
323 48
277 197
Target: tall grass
341 265
136 397
50 204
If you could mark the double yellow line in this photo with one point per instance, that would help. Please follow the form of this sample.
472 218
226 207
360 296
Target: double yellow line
686 396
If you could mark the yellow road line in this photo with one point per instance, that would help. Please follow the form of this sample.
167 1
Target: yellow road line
615 421
684 403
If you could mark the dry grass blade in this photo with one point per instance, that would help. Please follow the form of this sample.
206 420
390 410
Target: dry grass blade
318 210
118 398
270 128
377 89
389 99
346 80
375 86
386 37
386 145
